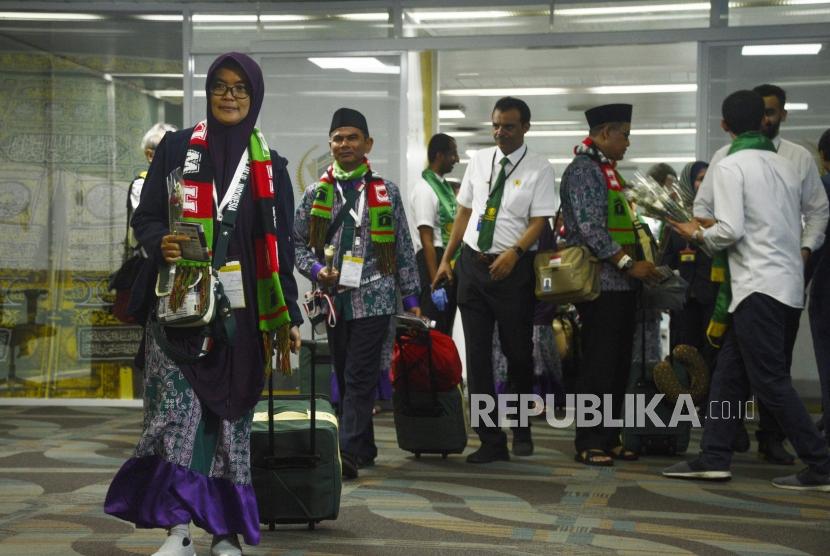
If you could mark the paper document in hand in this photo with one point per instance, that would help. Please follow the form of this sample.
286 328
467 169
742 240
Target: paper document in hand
195 247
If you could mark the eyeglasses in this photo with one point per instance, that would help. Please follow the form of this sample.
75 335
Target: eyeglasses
239 91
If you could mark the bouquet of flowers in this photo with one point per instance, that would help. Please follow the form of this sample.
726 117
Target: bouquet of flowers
663 202
175 196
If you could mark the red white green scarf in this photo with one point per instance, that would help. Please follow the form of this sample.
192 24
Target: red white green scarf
620 217
381 217
199 206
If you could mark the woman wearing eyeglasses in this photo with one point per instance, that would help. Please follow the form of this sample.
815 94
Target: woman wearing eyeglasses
192 462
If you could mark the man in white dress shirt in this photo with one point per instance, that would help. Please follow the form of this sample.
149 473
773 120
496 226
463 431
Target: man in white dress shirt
505 198
770 435
433 211
759 199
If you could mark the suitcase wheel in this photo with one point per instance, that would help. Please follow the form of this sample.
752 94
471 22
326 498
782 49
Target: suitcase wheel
443 455
271 526
311 525
417 455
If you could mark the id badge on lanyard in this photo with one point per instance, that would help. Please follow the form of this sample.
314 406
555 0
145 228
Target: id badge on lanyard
351 267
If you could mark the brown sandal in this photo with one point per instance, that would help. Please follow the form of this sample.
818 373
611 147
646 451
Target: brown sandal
594 457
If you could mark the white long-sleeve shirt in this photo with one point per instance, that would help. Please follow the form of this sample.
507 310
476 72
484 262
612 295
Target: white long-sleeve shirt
793 152
759 199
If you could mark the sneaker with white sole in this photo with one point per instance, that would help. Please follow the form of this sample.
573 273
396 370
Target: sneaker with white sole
694 469
225 545
178 543
806 479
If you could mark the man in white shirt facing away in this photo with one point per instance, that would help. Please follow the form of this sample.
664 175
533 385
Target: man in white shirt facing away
759 199
770 435
433 207
505 198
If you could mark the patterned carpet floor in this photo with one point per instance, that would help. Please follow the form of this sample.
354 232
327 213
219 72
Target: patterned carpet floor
56 464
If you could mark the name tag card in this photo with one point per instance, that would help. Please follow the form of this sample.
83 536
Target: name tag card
231 277
350 271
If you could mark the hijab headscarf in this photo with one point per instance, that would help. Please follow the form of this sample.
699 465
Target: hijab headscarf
227 143
689 173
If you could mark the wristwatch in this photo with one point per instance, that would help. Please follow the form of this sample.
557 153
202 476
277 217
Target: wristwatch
519 251
625 263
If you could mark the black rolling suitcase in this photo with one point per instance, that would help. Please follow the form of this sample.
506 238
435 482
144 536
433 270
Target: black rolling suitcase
649 439
295 457
427 421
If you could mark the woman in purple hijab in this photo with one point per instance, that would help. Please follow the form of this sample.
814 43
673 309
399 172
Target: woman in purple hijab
192 462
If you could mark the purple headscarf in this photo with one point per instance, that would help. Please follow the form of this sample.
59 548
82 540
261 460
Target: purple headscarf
227 143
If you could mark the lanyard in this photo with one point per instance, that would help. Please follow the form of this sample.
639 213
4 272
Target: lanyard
493 163
361 203
234 188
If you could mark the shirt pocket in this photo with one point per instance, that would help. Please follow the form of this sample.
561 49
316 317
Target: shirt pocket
518 196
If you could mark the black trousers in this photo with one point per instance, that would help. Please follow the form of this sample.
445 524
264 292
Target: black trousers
756 354
688 326
510 303
606 338
356 346
445 319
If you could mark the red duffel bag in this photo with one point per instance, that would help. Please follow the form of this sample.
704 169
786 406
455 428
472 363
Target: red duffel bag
410 362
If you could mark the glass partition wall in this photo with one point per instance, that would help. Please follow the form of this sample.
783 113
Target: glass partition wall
83 86
79 95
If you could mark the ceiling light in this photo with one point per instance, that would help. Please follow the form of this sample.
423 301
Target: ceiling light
521 92
781 49
49 16
545 122
634 9
160 17
150 75
224 18
659 159
451 113
581 132
362 64
796 106
276 18
600 90
168 93
420 16
641 89
376 16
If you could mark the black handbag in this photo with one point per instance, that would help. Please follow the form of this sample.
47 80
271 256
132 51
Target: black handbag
670 294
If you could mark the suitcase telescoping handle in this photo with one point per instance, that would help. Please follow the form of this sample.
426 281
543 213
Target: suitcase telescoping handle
311 345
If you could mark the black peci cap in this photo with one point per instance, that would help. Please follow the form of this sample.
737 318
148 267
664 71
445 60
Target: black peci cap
348 117
606 113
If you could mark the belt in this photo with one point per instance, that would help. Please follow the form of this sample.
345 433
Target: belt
485 258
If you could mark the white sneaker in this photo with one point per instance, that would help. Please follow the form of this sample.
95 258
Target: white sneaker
178 543
225 545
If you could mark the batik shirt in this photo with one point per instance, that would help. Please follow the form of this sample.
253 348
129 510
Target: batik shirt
585 212
378 293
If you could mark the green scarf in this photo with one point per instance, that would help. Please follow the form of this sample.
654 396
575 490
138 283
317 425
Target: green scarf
273 318
720 261
447 204
381 216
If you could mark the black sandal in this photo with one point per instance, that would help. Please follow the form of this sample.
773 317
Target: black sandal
622 454
594 457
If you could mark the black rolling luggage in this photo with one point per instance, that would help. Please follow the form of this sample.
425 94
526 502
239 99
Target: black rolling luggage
428 420
295 457
650 439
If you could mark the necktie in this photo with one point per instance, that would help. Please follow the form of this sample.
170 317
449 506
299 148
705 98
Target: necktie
488 219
